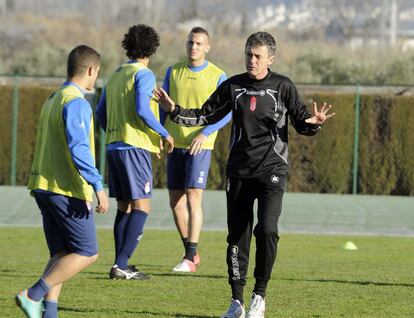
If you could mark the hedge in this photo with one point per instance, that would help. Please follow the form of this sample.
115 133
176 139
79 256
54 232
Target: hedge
30 103
6 96
387 163
322 163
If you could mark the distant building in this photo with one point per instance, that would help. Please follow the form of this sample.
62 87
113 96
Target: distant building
3 7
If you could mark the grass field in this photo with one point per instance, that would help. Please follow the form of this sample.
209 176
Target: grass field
313 277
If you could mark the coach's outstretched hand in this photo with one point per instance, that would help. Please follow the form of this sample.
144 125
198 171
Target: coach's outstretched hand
162 98
319 118
103 201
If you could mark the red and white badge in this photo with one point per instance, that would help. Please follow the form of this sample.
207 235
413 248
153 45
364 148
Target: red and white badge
252 103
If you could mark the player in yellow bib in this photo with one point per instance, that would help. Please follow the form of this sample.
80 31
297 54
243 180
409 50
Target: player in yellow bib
62 180
190 83
133 131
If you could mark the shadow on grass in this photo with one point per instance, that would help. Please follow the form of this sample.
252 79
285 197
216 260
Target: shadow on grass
146 269
177 315
188 275
354 282
143 312
10 273
7 271
14 273
104 276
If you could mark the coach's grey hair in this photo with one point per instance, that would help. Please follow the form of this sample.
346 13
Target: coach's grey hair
260 39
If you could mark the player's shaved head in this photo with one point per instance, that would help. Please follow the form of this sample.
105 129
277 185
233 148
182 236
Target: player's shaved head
80 59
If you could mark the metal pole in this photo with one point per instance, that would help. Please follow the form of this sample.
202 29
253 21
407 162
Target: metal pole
102 152
102 145
14 131
356 140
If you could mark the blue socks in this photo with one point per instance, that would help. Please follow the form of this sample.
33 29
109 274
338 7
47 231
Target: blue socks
132 234
121 220
51 309
38 290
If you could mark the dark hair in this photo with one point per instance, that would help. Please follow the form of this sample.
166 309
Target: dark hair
260 39
141 41
80 59
199 30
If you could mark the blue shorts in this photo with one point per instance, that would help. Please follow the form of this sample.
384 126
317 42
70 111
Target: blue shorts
68 224
130 174
185 171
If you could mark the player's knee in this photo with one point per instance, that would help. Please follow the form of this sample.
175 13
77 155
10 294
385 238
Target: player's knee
124 206
177 205
195 206
194 200
266 231
93 258
194 194
141 205
60 254
173 204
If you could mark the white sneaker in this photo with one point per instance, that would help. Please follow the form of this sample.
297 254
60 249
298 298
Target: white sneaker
257 307
185 266
236 310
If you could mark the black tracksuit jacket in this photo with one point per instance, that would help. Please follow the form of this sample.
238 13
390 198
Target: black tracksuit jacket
261 109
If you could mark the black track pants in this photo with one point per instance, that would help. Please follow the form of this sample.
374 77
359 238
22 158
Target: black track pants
268 189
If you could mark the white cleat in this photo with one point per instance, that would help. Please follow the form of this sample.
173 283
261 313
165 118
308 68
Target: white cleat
257 307
185 266
236 310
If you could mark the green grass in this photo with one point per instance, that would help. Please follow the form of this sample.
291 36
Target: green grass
313 277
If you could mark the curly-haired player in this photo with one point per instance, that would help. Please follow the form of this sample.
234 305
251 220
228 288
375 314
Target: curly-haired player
131 121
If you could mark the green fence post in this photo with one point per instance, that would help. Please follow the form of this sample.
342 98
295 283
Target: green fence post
102 144
14 130
356 141
102 152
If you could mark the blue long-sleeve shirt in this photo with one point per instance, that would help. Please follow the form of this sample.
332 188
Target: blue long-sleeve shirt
144 83
77 115
209 129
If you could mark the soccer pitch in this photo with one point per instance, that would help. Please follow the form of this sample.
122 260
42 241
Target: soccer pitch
313 277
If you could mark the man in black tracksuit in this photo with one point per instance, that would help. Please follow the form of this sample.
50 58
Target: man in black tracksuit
261 102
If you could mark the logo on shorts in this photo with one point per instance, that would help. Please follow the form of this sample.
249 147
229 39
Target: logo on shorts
228 185
201 177
147 188
274 179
